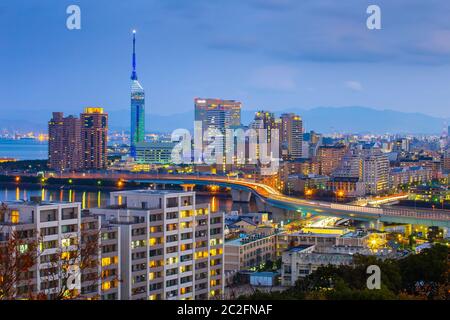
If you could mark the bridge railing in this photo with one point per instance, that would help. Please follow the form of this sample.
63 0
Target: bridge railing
420 214
345 207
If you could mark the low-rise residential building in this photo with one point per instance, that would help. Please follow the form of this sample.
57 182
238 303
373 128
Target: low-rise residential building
362 239
154 152
301 261
249 251
409 175
347 186
285 241
300 183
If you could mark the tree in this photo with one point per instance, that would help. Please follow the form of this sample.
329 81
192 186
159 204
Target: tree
426 273
18 256
418 276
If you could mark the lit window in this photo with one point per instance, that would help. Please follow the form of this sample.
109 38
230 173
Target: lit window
106 285
106 261
15 216
65 255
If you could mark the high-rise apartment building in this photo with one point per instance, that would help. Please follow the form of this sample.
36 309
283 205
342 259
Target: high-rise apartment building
375 171
351 166
94 138
64 144
171 247
291 136
61 238
137 106
330 158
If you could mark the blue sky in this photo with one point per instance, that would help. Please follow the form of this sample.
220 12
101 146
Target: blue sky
272 54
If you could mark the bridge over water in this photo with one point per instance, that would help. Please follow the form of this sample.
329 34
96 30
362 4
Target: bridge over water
242 189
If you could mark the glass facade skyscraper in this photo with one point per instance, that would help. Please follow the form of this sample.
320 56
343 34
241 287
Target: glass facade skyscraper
137 107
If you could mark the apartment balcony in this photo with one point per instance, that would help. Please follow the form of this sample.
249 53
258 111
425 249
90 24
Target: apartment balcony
139 273
159 234
139 237
188 251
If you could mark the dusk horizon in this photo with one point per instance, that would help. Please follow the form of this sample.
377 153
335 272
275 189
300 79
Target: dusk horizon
331 60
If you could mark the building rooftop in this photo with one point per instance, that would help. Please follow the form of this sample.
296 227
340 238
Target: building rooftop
318 235
300 248
247 239
151 192
264 274
36 202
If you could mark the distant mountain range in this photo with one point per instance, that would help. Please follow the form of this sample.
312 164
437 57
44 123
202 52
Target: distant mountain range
319 119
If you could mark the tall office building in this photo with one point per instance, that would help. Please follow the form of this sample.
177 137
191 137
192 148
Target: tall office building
137 106
268 139
291 133
265 120
64 145
219 113
216 116
94 138
172 247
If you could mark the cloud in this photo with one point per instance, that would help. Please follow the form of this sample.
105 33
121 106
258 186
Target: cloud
354 85
328 31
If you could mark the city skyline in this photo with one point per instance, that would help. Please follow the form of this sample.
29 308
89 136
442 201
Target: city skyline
351 66
295 150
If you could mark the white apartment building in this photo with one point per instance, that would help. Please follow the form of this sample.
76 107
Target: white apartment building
102 280
376 172
171 247
61 231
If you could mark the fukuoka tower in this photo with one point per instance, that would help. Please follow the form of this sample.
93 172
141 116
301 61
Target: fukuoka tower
137 106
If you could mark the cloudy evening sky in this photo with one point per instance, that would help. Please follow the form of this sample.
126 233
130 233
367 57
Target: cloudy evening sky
272 54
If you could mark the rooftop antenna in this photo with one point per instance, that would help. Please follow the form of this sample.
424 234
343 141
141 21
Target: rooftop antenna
134 74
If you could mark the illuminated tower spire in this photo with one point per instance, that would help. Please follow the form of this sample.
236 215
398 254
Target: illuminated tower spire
134 74
137 107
